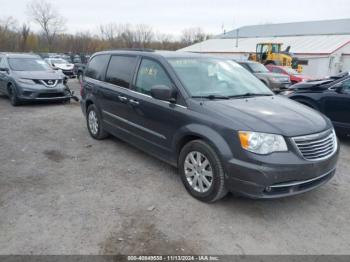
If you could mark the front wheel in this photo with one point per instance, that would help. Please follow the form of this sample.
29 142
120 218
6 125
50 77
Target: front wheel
13 96
202 172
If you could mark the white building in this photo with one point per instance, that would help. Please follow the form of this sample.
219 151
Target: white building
324 44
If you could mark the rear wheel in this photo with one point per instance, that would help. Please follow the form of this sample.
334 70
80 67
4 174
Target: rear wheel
13 95
202 172
94 120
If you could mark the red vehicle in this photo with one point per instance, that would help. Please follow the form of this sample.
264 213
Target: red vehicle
295 77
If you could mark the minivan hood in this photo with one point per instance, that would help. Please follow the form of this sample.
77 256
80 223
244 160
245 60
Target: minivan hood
273 114
40 75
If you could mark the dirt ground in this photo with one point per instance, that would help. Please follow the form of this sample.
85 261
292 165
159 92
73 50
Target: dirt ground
61 192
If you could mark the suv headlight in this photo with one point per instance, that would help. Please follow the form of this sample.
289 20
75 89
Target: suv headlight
262 143
26 81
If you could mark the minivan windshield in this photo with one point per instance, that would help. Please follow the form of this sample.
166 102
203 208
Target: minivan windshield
28 64
217 78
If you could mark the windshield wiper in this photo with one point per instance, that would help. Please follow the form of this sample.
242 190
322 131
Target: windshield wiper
212 97
251 95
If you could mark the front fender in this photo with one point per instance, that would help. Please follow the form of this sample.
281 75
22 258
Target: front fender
207 134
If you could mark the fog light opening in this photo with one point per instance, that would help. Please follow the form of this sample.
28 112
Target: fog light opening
268 189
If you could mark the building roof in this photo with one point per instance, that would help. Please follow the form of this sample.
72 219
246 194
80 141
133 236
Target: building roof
316 44
325 27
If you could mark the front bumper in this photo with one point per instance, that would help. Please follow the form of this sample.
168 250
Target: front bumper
42 93
272 180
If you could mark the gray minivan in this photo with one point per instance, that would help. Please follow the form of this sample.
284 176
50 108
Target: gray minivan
211 118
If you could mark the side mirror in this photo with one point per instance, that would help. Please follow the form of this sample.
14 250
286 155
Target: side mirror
163 92
338 87
3 69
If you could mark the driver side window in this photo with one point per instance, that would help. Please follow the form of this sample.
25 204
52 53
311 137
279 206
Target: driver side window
150 74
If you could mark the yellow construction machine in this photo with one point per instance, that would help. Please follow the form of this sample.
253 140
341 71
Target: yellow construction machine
271 53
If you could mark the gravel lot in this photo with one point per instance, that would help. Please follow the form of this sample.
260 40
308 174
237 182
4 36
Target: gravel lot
61 192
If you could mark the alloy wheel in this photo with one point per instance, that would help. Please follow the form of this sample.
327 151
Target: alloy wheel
198 171
93 122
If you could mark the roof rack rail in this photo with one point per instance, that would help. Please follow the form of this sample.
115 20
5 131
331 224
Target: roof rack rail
134 49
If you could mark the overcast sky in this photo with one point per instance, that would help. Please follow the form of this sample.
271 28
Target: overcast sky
172 16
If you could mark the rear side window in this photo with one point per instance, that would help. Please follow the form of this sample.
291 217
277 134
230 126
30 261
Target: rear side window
120 70
97 66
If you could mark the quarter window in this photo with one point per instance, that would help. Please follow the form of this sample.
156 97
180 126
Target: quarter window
150 74
97 66
121 70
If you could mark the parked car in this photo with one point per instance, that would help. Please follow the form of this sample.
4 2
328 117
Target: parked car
221 126
294 76
26 77
329 96
61 64
276 82
79 70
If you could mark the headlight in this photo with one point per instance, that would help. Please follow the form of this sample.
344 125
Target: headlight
26 81
261 143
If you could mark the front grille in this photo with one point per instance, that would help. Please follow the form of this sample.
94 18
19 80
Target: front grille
48 83
50 95
317 146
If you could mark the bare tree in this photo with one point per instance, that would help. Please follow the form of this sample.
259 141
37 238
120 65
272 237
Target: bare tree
143 35
25 30
50 21
8 34
109 32
9 23
193 35
128 36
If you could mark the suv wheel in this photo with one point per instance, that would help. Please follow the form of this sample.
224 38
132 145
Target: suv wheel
202 172
93 119
13 95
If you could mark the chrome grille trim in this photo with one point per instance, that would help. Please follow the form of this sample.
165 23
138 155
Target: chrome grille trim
317 147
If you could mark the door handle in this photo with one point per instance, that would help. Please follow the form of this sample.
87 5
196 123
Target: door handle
134 102
123 99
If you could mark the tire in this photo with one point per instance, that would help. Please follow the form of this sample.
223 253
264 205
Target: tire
93 121
187 166
13 95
